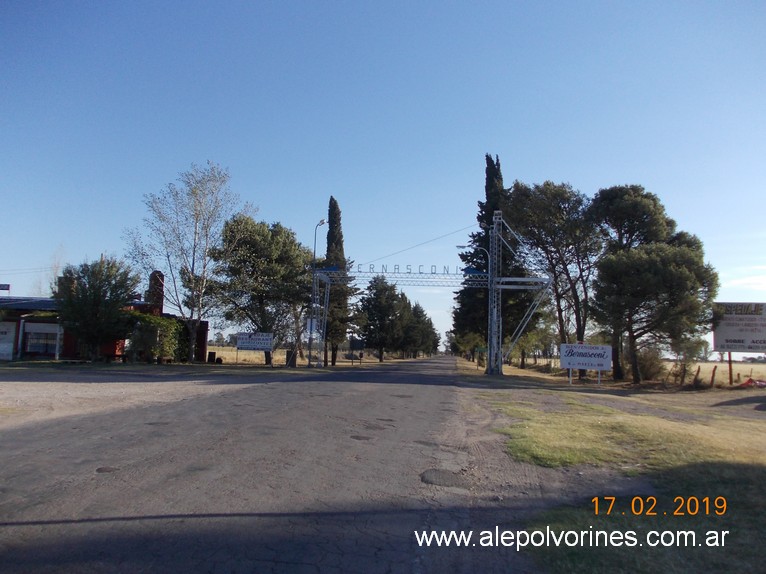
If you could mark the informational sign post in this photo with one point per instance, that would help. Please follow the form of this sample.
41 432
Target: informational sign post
255 341
741 329
590 357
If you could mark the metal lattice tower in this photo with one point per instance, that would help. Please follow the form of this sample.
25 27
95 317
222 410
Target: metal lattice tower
493 281
495 318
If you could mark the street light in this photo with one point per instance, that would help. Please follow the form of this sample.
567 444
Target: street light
312 315
475 247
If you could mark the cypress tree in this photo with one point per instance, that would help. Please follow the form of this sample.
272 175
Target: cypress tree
470 314
340 291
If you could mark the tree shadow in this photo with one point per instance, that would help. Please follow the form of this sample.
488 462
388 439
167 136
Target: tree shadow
758 401
369 538
714 510
364 540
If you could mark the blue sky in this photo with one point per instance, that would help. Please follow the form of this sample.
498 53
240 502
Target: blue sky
388 106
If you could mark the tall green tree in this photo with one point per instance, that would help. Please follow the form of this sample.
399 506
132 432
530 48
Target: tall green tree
264 278
403 338
470 314
93 300
380 304
423 335
182 229
559 240
338 314
627 216
653 284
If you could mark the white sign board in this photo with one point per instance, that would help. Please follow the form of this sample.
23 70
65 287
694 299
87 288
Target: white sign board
255 341
742 328
592 357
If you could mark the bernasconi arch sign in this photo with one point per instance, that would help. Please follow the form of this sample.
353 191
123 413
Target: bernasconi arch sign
434 276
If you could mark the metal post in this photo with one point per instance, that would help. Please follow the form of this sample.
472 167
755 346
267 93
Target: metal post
322 319
312 310
494 310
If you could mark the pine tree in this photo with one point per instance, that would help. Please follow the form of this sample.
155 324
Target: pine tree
263 277
653 283
379 304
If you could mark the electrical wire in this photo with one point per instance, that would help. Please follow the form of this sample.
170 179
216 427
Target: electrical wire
420 244
25 271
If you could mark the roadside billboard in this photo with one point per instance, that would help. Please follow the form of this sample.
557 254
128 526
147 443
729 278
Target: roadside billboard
741 328
255 341
591 357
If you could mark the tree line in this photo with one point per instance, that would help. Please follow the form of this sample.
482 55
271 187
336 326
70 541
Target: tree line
218 262
621 271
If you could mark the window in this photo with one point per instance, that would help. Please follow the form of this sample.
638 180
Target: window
41 343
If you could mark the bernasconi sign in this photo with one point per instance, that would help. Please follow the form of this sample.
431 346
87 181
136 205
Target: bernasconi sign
591 357
742 328
255 341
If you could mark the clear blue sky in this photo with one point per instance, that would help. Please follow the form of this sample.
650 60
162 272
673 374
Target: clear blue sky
390 107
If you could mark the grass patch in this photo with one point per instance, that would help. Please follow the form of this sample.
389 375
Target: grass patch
468 368
721 457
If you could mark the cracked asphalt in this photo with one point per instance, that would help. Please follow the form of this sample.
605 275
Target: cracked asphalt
310 471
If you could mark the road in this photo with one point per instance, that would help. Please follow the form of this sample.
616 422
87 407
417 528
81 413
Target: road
310 471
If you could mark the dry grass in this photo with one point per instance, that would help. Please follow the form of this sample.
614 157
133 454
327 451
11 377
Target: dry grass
231 356
682 442
583 433
722 458
740 372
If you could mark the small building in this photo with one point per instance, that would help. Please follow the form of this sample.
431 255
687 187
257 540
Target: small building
30 328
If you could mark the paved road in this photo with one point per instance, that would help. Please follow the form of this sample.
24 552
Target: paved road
309 472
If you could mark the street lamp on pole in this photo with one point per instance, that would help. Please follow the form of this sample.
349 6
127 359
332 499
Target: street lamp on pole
312 313
476 247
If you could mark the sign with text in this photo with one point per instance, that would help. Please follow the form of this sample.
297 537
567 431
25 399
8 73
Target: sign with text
593 357
742 327
255 341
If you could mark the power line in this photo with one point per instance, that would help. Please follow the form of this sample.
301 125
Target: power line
420 244
25 271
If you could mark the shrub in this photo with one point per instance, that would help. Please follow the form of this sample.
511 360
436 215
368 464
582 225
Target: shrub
154 337
650 364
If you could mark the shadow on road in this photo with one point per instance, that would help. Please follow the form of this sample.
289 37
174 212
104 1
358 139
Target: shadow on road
759 402
365 540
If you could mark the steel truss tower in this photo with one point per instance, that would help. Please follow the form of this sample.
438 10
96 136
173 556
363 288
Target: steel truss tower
493 280
494 310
